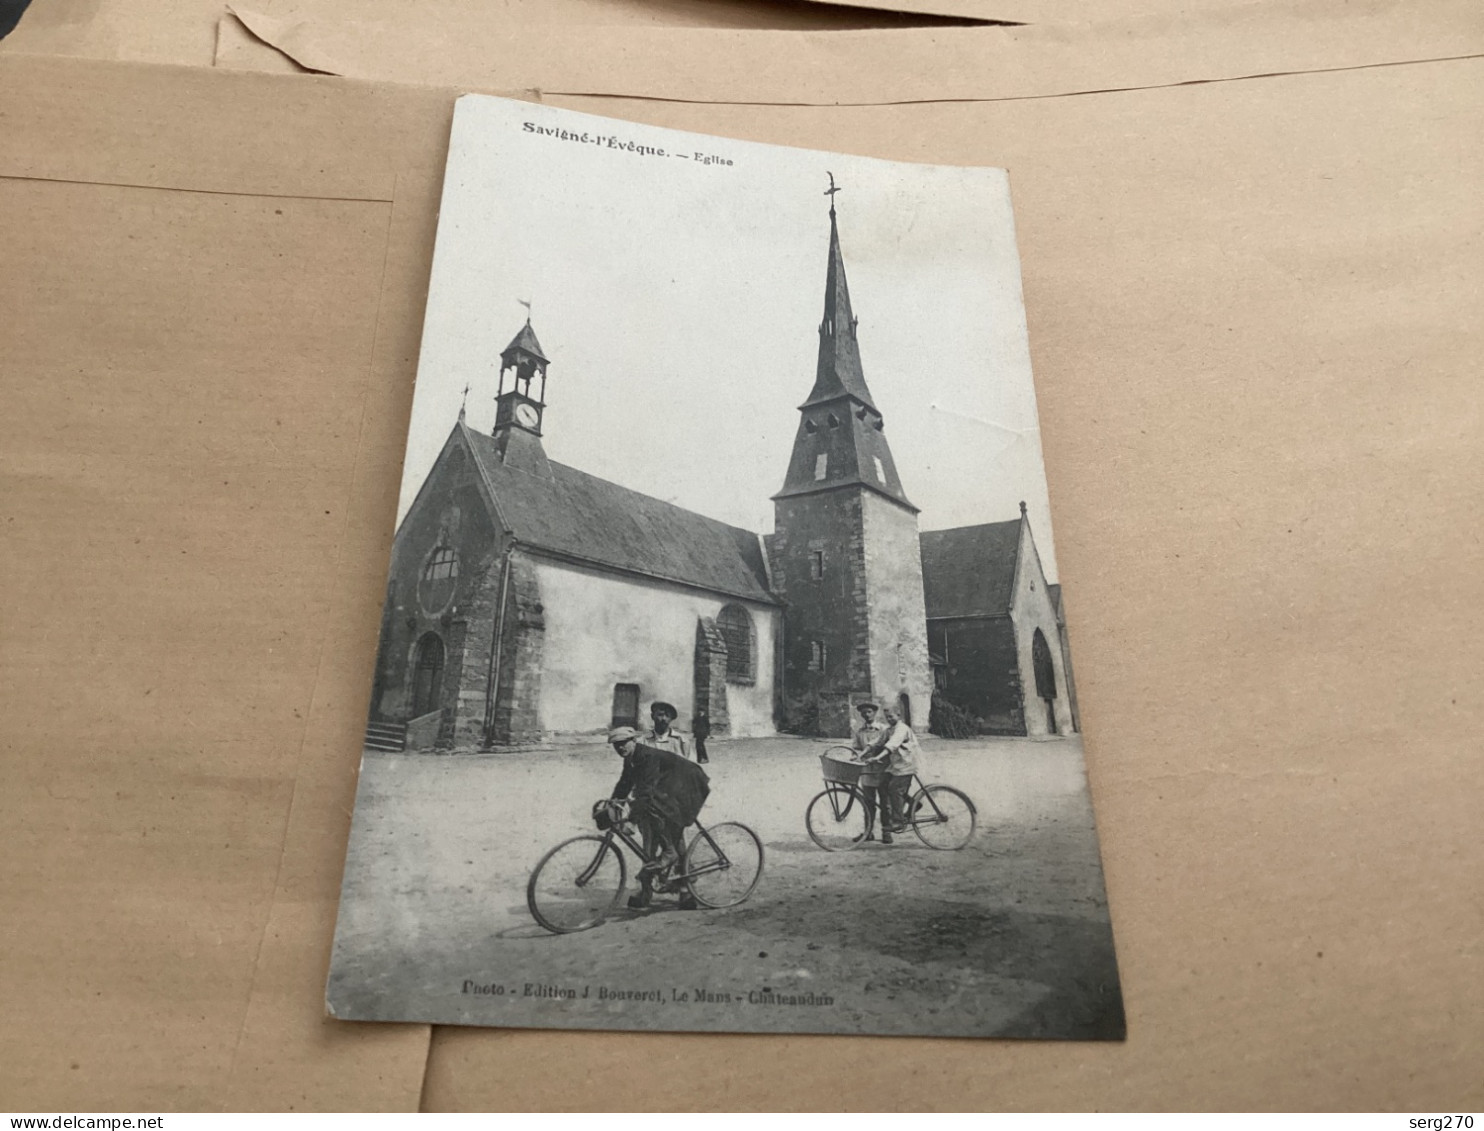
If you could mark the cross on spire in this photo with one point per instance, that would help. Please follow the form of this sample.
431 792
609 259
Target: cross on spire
463 403
525 302
831 191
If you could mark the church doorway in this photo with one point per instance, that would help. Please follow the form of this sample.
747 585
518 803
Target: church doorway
427 676
1045 678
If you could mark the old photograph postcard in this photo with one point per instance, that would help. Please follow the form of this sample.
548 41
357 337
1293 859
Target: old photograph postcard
724 680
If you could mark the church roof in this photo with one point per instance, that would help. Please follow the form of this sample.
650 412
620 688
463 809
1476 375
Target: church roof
969 571
525 340
839 371
580 516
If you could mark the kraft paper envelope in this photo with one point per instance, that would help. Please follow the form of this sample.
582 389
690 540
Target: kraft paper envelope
864 67
186 31
1253 310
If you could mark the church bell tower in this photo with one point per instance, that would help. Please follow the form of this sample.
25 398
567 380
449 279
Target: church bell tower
845 548
519 410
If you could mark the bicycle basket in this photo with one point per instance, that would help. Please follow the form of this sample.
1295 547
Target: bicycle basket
607 814
839 769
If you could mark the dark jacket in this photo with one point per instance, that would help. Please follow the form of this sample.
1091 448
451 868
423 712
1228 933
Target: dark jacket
664 784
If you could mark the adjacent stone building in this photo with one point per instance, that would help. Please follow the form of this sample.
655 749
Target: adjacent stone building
995 629
529 600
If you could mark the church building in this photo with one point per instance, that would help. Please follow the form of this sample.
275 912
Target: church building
528 600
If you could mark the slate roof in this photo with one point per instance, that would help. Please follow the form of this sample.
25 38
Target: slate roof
525 340
839 369
581 516
970 570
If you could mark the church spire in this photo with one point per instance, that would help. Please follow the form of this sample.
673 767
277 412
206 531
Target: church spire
841 440
839 371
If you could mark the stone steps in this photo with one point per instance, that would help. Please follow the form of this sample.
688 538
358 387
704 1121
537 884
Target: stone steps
390 737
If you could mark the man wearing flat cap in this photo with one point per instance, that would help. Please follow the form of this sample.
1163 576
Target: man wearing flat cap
668 792
865 737
663 735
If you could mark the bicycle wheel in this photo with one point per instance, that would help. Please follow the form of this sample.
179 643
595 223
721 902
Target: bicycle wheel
837 818
942 817
577 884
723 864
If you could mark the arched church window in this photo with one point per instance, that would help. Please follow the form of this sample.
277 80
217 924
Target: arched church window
436 585
735 624
1045 670
427 675
810 427
834 421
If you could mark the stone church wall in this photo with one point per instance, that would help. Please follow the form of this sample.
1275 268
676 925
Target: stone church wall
830 609
451 513
1031 609
602 630
983 669
897 614
517 711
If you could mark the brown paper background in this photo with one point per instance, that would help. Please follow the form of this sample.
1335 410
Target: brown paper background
185 31
869 67
1253 309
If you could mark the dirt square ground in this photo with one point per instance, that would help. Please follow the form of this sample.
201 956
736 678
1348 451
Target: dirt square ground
1007 937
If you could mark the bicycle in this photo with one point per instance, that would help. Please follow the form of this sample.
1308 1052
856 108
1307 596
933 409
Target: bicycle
841 818
579 882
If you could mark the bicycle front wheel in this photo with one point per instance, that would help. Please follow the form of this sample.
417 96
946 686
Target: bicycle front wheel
577 884
723 864
942 817
837 819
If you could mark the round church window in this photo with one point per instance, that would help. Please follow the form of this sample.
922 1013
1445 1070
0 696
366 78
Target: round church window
439 577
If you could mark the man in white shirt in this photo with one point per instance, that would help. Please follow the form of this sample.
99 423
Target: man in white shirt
663 735
895 750
866 734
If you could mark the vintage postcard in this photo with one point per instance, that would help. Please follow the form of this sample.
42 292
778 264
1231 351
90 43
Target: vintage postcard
724 680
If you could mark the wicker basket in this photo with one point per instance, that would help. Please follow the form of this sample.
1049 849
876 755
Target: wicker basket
836 768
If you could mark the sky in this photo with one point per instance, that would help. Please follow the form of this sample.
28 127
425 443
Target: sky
679 304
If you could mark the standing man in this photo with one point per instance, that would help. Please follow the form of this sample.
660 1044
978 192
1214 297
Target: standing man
865 737
700 730
896 750
663 735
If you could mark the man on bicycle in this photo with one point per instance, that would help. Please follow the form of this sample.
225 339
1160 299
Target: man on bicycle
895 748
668 792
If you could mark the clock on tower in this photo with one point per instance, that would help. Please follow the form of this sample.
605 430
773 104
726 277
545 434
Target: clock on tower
523 403
519 409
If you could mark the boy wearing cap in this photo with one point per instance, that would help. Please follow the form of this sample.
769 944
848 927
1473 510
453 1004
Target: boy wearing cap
896 750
